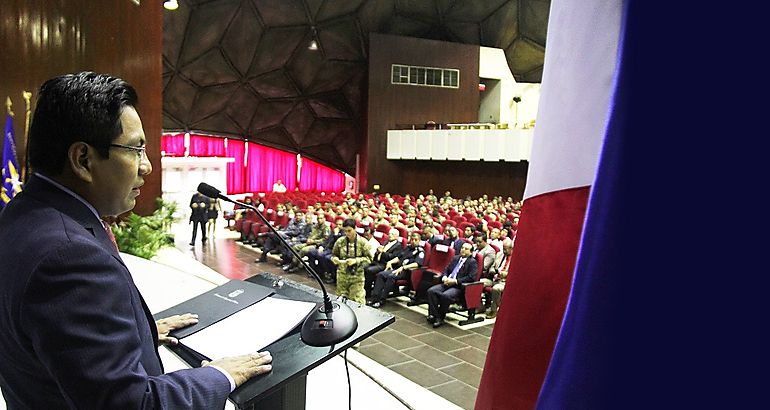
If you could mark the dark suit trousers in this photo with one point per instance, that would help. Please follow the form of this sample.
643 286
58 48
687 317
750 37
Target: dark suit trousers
370 273
386 283
195 230
440 297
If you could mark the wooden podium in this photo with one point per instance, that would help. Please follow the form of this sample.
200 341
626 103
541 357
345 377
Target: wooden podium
284 387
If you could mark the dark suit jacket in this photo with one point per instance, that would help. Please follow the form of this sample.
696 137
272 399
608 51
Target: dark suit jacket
467 272
454 244
383 257
76 333
201 213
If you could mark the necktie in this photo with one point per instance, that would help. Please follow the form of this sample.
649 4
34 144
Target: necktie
457 268
502 263
110 235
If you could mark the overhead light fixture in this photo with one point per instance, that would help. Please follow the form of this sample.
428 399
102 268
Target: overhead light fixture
313 42
170 5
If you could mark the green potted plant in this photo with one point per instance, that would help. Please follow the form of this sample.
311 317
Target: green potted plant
143 236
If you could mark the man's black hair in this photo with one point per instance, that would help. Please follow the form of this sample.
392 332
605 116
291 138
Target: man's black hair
349 223
85 107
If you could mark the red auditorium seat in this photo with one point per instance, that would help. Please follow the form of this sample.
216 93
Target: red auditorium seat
409 282
471 298
281 220
381 237
422 279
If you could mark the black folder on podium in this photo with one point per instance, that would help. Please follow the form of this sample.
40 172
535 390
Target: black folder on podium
216 304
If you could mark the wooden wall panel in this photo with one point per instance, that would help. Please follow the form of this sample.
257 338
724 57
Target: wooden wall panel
40 39
391 104
474 178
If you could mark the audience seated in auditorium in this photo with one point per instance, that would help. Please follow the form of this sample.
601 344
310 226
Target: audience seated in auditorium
272 244
383 253
369 236
487 251
320 258
318 234
452 239
497 276
461 270
495 239
400 267
430 236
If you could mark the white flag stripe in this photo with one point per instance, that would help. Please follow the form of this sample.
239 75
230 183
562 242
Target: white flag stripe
574 103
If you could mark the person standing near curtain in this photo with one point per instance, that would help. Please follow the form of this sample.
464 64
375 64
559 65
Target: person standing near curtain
212 215
199 204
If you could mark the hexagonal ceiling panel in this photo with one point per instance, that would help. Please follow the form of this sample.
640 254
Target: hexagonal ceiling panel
242 67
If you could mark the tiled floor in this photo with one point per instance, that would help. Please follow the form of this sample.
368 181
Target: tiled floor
448 361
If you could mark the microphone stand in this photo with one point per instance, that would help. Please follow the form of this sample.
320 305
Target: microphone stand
328 324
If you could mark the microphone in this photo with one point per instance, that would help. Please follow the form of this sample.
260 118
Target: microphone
327 324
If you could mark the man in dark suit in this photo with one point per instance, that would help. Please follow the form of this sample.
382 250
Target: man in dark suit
453 239
199 205
461 270
382 255
76 331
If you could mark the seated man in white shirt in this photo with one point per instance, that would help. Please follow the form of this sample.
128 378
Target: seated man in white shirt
278 186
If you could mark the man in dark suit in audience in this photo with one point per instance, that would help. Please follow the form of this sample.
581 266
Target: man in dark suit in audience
382 255
76 331
461 270
430 236
398 268
453 240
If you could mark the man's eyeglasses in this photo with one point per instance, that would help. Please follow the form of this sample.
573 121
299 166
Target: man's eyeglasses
140 151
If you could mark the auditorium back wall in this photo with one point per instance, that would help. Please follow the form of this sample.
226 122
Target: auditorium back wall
391 105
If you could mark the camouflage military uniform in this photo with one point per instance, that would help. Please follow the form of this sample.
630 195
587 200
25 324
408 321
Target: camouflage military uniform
350 279
318 234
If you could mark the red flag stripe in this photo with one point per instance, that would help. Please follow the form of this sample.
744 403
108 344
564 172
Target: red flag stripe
534 300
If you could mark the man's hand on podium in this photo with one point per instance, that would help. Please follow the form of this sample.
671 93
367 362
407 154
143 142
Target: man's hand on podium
166 325
243 368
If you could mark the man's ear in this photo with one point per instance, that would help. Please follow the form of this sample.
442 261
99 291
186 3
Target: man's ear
79 159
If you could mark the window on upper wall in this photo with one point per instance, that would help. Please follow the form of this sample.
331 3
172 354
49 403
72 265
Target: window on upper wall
425 76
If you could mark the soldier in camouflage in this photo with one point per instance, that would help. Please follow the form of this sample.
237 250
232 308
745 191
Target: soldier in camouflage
351 254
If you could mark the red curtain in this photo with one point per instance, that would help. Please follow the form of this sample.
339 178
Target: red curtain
267 165
172 145
315 177
235 170
203 146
